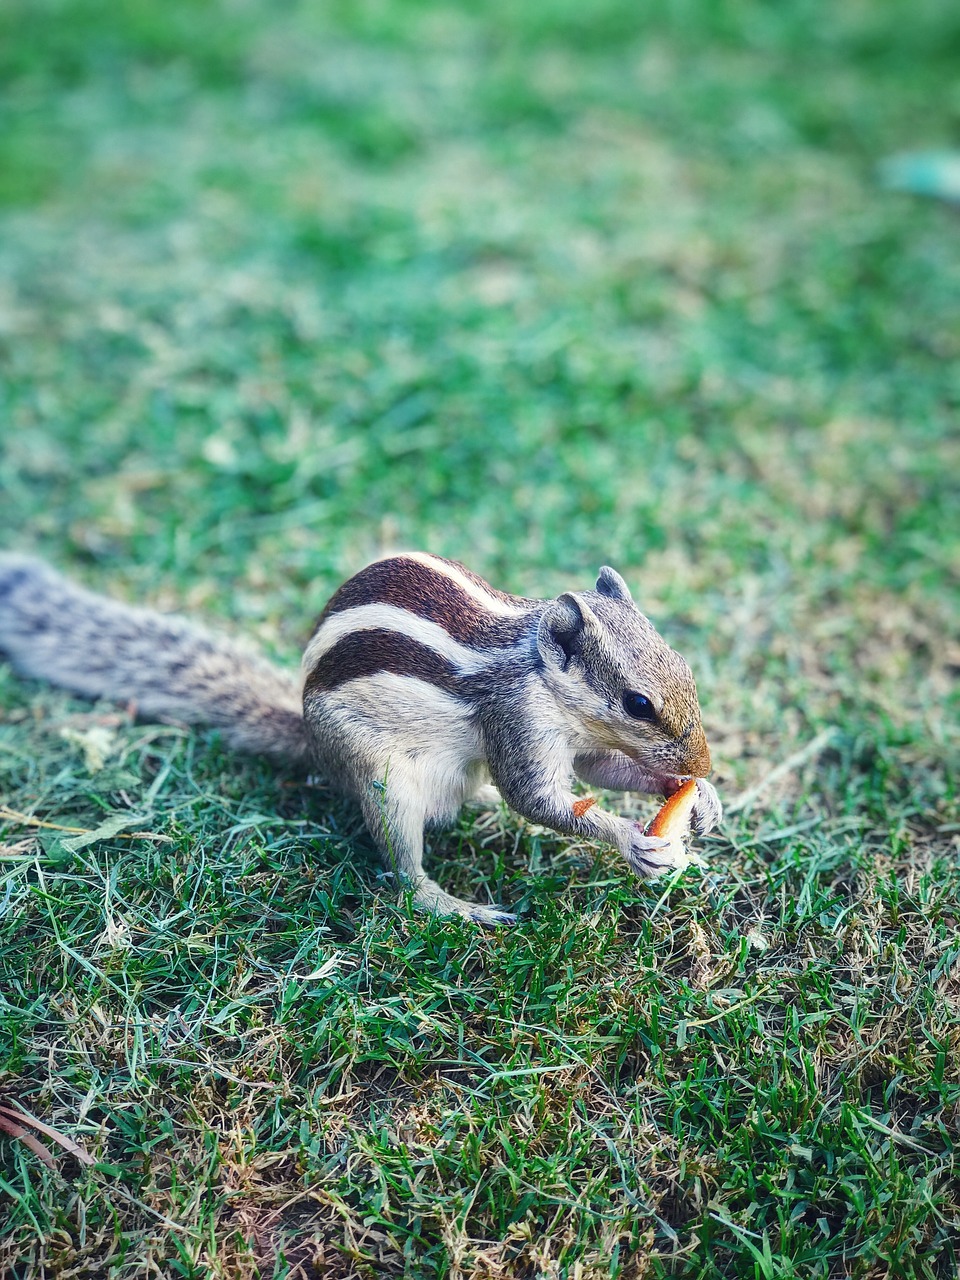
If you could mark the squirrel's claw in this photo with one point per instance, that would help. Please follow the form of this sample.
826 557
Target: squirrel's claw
651 855
708 810
492 916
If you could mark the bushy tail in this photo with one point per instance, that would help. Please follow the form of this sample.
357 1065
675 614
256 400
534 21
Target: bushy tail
167 667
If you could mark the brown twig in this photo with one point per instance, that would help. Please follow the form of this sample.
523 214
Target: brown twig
17 1124
25 820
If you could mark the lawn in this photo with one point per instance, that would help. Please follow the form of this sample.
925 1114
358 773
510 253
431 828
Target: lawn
536 287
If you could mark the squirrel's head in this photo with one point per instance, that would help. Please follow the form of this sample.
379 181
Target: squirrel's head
612 672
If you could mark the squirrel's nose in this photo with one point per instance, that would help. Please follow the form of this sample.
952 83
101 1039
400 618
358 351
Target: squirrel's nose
697 755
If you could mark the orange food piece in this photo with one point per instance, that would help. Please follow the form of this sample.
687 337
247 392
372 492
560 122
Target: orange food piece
580 807
673 819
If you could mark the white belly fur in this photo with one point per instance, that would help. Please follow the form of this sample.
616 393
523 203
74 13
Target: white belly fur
426 739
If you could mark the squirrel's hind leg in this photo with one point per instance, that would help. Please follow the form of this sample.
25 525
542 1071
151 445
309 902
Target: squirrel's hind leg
395 811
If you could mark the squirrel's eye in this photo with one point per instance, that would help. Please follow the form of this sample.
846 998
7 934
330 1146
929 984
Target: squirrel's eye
638 706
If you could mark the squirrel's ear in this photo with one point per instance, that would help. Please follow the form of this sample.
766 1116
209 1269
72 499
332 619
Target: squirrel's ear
611 584
564 623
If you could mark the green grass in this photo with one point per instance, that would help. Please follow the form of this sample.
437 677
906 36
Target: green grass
537 287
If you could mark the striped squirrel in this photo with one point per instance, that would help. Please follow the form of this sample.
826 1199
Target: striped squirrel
421 684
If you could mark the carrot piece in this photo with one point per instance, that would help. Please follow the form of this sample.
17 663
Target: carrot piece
673 819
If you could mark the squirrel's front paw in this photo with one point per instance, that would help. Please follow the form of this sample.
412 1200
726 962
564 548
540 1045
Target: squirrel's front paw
707 813
652 855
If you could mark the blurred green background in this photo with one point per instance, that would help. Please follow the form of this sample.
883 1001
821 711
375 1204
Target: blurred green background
530 285
535 286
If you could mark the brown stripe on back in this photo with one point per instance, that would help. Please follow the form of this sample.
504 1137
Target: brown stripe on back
366 653
416 587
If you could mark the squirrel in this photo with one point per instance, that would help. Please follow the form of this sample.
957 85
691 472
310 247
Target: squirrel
421 685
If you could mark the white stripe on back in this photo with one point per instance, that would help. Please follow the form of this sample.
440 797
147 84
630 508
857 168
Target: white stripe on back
388 617
482 595
405 714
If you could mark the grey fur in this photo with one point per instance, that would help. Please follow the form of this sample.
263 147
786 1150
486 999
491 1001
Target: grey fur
413 721
170 668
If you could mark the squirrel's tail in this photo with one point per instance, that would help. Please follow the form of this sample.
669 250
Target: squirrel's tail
167 667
